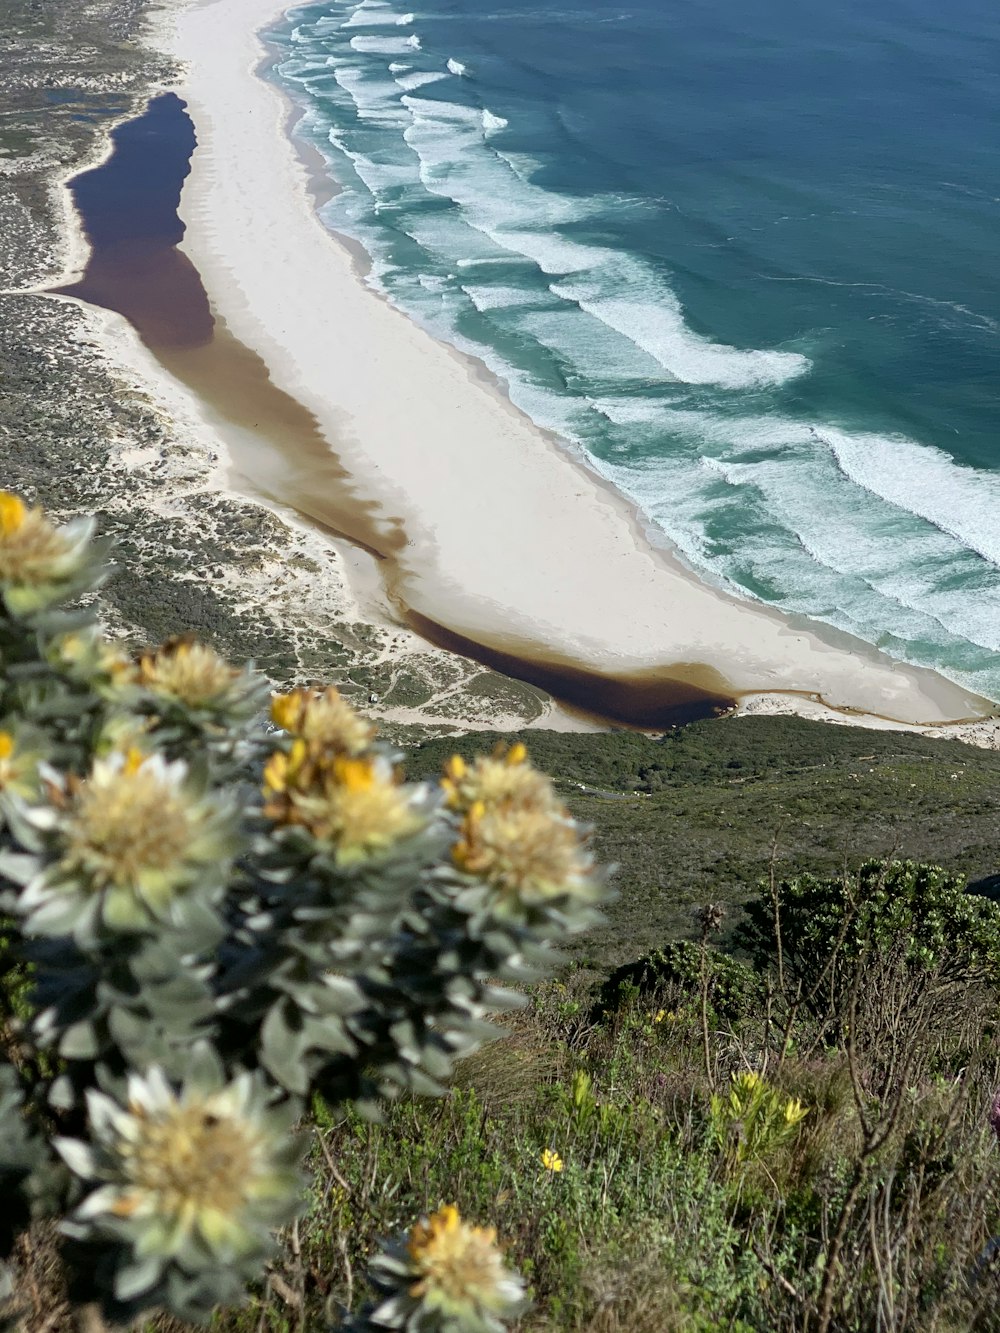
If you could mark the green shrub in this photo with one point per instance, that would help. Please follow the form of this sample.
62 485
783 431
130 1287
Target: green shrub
821 928
753 1119
734 989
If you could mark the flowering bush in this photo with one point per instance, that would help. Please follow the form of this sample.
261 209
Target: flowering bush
753 1119
206 918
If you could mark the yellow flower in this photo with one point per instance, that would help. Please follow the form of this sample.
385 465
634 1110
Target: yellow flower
38 563
507 780
12 513
19 762
324 721
356 804
128 820
748 1082
189 1163
123 732
191 673
662 1015
458 1270
552 1161
527 855
368 810
279 771
795 1111
87 655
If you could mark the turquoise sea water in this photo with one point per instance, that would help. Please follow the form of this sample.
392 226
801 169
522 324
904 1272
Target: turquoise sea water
742 255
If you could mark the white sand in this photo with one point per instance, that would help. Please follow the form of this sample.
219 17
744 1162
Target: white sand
509 539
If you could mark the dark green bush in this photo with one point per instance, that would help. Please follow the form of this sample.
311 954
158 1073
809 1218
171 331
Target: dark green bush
734 988
820 928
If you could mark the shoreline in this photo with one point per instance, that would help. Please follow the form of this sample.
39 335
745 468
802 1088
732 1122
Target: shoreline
482 577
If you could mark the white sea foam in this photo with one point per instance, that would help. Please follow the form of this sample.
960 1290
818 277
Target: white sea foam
486 261
458 164
586 348
492 123
759 501
385 46
912 568
377 177
376 100
445 234
632 299
962 501
456 67
376 18
696 502
620 292
633 411
303 67
419 79
786 479
499 297
433 282
523 165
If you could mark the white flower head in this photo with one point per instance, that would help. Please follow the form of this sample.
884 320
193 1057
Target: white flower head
447 1274
199 1175
134 846
39 563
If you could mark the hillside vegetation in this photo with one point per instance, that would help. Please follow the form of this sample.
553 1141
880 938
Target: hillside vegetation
701 814
247 952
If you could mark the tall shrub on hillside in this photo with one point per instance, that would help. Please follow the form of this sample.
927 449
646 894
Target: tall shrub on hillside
818 933
207 920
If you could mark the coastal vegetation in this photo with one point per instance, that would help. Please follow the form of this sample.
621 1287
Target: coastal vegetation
246 967
759 1094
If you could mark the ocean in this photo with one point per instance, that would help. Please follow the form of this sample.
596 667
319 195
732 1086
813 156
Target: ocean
741 257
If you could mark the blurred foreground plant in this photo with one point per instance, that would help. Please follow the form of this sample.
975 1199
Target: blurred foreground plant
207 920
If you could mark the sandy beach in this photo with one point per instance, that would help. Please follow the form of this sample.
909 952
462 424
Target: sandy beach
489 528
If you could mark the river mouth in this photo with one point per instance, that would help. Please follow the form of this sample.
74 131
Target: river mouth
128 207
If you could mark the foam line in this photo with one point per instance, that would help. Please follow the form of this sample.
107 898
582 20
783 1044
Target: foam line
418 79
962 501
385 46
379 18
651 317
